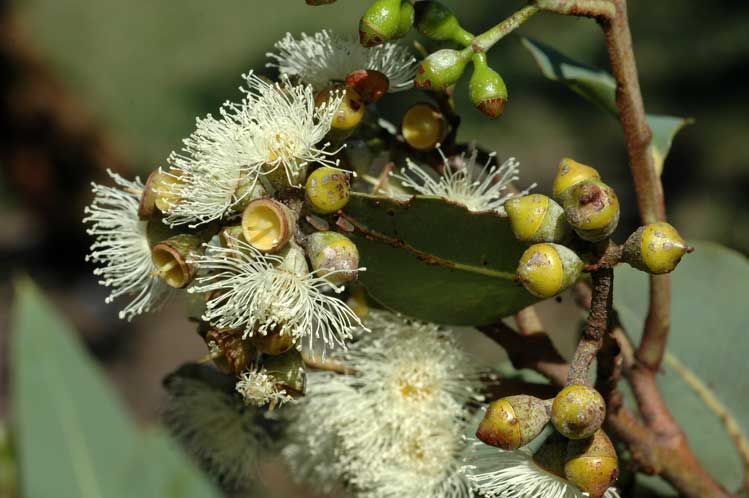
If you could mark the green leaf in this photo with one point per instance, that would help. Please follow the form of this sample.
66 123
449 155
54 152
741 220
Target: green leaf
709 327
73 435
437 261
599 87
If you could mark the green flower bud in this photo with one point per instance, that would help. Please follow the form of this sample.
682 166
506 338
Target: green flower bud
438 22
423 127
592 208
235 352
592 464
327 190
537 218
545 269
656 248
406 20
380 23
267 224
174 259
571 173
369 84
487 88
288 371
441 69
333 252
578 411
513 421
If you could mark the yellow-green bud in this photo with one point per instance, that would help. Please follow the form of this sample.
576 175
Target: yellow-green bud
174 259
438 22
406 20
423 127
578 411
236 353
273 343
571 173
547 269
369 84
486 88
348 115
656 248
380 23
513 421
267 224
592 208
327 190
592 464
441 69
287 369
537 218
334 255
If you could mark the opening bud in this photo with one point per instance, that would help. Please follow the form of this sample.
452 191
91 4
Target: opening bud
537 218
369 84
174 259
571 173
486 88
592 208
578 411
294 260
235 352
438 22
327 190
547 269
441 69
513 421
656 248
288 371
335 255
423 127
380 23
273 343
158 194
349 114
592 464
267 224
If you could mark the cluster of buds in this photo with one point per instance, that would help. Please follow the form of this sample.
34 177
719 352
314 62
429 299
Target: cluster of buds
579 450
581 217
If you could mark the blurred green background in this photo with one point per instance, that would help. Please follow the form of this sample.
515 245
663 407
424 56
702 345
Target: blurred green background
124 82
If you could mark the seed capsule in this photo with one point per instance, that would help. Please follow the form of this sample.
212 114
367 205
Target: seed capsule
174 259
369 84
236 353
288 371
537 218
380 23
441 69
513 421
578 411
438 22
327 190
486 88
592 208
267 224
571 173
423 127
545 270
656 248
334 255
592 464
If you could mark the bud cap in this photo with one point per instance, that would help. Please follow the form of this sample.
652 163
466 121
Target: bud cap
571 173
537 218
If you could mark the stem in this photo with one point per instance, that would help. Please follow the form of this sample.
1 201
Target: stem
487 39
600 9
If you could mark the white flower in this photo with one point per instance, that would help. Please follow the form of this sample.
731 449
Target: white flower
274 130
257 293
477 188
259 389
495 473
394 427
121 250
324 57
225 436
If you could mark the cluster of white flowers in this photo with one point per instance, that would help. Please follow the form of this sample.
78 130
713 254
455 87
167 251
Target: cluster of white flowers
259 389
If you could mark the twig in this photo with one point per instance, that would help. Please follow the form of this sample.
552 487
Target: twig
598 9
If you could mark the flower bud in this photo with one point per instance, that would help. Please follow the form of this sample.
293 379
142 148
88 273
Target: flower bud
486 88
592 464
423 127
174 259
327 190
571 173
236 353
348 115
513 421
441 69
267 224
656 248
578 411
545 269
158 193
592 209
273 343
406 20
369 84
537 218
438 22
288 371
294 260
380 23
334 255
